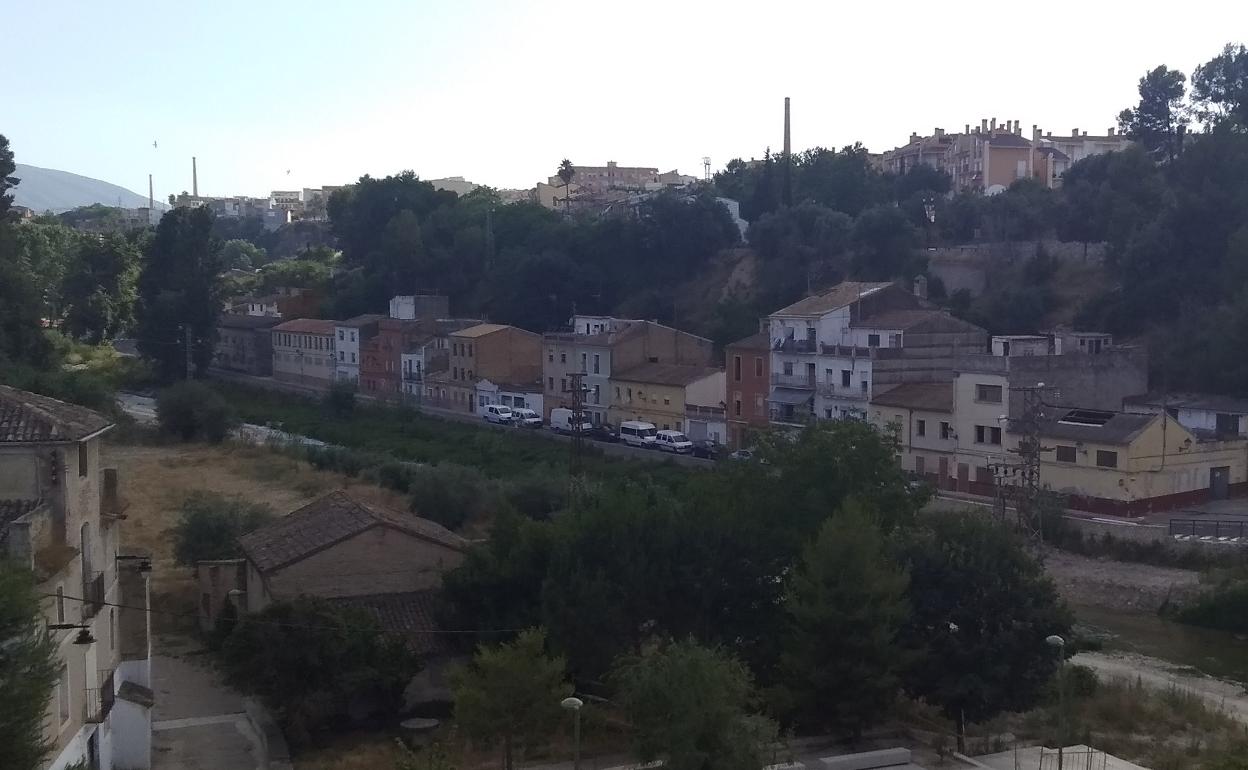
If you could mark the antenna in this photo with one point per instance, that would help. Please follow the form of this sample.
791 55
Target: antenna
706 167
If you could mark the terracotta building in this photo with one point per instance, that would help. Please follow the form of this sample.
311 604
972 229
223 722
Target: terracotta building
748 364
486 351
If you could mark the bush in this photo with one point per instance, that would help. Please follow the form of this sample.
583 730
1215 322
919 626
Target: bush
191 410
449 494
210 524
538 495
1225 609
340 400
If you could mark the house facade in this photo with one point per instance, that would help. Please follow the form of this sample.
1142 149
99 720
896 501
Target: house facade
920 415
486 351
245 344
349 336
516 395
1202 413
303 352
748 364
60 513
662 393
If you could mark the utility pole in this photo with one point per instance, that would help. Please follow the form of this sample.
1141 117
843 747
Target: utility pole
577 388
1022 477
190 360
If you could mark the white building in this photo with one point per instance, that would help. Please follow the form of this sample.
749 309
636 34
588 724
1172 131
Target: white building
516 395
348 335
1202 413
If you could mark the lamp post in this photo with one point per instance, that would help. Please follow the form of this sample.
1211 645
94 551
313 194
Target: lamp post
574 705
1059 644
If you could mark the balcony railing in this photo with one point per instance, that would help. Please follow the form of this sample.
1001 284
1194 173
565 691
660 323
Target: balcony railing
693 410
99 700
92 594
803 381
836 390
794 417
847 351
794 346
413 376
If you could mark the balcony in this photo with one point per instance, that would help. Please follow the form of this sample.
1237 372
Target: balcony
847 351
413 376
92 594
705 412
99 700
850 392
794 346
799 381
796 417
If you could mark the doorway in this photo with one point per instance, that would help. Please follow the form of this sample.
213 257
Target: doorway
1219 482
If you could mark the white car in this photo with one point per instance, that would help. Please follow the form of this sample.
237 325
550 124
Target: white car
497 414
525 418
638 434
673 441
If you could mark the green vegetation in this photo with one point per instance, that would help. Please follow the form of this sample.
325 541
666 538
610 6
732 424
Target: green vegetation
311 660
191 410
209 525
692 708
29 665
1225 609
510 694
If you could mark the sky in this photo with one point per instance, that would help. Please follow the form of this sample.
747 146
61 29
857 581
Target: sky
285 95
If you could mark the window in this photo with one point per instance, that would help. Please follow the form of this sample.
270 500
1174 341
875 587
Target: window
84 459
60 604
760 406
986 434
62 695
894 340
944 430
1226 424
736 368
342 356
550 355
550 384
873 340
617 393
341 335
736 407
353 358
563 385
788 368
1066 454
920 427
630 393
470 349
563 358
846 377
866 386
989 394
667 401
758 366
584 361
1106 459
596 362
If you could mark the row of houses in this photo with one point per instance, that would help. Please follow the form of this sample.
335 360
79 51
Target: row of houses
957 401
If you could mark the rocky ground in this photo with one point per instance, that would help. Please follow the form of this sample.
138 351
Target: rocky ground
1119 585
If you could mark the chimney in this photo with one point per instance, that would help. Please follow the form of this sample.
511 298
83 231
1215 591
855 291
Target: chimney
983 124
1048 134
1035 133
920 286
992 125
151 199
1085 133
968 129
913 137
1074 132
787 147
1111 131
940 133
194 178
1018 127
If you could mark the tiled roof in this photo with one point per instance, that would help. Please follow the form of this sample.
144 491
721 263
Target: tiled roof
915 320
362 320
27 417
480 330
239 321
413 615
11 510
1204 401
925 396
1009 140
665 374
838 296
307 326
1120 428
329 520
758 341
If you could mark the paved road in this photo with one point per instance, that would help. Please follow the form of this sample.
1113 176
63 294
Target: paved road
198 722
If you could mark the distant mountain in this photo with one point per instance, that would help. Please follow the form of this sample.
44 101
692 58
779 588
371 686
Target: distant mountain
46 189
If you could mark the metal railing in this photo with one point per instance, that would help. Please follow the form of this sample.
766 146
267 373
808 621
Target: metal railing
99 700
853 392
794 346
803 381
92 594
847 351
1233 529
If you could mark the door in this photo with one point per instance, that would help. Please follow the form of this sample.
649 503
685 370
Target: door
1219 482
920 465
943 481
93 751
964 477
810 375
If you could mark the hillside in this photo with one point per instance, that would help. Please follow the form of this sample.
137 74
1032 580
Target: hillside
47 189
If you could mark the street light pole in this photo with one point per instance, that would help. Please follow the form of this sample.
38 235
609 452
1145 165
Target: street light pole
574 705
1059 644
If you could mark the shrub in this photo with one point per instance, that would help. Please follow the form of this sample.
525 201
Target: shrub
1225 609
340 400
538 495
449 494
210 524
191 410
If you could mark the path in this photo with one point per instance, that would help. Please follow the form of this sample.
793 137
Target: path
1159 674
198 722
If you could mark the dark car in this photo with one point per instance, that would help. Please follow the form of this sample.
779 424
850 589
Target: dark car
708 449
604 433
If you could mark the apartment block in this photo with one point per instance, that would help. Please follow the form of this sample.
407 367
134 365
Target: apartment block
303 352
748 383
495 352
666 395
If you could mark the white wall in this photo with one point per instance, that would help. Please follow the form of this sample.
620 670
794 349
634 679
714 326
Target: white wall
708 391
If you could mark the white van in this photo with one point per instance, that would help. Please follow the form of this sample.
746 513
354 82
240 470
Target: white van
673 441
497 414
525 418
561 421
639 434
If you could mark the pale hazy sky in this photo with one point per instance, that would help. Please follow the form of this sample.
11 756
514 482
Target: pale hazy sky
500 91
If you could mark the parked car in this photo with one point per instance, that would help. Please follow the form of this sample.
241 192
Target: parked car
525 418
604 433
561 421
708 449
673 441
497 414
638 434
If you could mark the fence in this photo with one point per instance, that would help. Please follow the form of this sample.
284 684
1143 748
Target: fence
1218 529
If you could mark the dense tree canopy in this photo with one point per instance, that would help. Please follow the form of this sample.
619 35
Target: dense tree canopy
28 669
1156 121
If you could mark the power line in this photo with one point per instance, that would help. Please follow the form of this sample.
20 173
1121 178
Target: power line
278 623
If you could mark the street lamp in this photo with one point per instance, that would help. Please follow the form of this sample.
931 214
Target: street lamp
1059 644
574 705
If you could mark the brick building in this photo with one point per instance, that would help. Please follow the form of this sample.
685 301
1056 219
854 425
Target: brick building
748 363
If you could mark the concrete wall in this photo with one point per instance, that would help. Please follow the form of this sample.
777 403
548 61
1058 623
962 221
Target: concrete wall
663 405
1089 381
377 561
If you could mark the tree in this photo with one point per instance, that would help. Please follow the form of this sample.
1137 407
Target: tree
565 173
1157 120
210 524
99 291
511 694
690 707
844 606
981 608
180 293
7 180
804 247
191 410
885 245
241 254
311 660
29 667
1220 86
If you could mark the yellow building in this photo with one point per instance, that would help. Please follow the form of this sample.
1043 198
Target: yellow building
922 415
1131 464
661 393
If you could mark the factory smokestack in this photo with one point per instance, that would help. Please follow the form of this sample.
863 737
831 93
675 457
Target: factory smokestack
151 200
194 178
786 195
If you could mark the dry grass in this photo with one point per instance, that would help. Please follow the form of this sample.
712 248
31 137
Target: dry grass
156 479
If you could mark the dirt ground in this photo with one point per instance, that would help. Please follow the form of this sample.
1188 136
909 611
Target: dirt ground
154 481
1118 585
